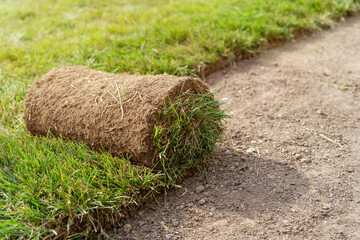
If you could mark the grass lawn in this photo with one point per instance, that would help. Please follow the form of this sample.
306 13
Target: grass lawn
135 36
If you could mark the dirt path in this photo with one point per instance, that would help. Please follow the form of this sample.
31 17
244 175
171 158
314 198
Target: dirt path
290 166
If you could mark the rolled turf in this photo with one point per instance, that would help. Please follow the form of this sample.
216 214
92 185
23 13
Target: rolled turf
60 189
116 113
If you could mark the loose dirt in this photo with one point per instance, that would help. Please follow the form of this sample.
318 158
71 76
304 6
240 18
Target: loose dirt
290 164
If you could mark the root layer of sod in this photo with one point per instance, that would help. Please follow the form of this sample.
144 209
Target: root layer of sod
56 188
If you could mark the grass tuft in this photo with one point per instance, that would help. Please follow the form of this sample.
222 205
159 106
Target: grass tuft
187 132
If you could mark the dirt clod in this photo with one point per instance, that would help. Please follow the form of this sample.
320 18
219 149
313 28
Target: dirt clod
202 201
200 189
127 228
175 223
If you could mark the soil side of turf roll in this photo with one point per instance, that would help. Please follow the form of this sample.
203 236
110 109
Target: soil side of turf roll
84 105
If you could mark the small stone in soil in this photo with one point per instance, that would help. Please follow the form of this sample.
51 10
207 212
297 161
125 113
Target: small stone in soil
228 151
202 201
168 237
127 228
200 189
304 160
175 222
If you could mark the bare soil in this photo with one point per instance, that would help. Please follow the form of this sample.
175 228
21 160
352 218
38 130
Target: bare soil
290 164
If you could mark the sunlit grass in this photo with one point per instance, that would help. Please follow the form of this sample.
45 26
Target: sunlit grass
153 36
52 186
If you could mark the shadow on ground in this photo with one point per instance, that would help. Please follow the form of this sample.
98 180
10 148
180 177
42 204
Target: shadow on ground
240 186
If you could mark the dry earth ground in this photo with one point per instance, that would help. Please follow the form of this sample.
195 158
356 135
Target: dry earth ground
296 184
